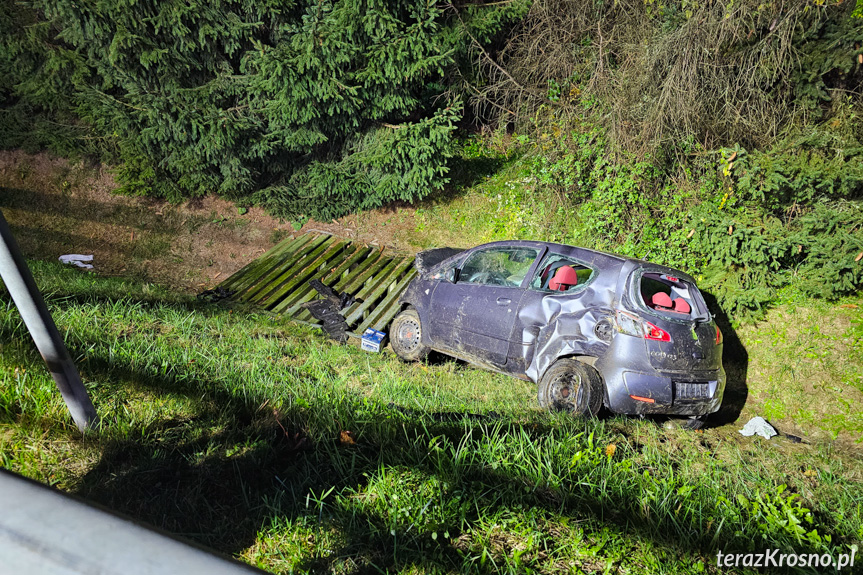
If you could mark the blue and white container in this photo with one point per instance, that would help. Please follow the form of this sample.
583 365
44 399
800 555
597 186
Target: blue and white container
372 340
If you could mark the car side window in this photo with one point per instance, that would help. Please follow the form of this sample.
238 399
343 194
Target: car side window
446 273
498 266
560 273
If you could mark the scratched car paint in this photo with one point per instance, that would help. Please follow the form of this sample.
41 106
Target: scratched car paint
589 328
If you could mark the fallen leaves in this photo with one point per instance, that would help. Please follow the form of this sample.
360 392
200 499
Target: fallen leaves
347 438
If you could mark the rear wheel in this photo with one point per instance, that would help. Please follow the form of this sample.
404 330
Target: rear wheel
570 385
406 336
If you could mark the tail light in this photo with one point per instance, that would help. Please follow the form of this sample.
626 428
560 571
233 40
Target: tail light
718 335
631 324
653 332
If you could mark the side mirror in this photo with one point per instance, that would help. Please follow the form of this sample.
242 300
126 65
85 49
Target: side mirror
452 275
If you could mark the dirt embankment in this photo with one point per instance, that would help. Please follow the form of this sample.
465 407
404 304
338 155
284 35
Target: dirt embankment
56 207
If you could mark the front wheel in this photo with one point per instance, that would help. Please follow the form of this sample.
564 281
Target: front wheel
406 336
570 385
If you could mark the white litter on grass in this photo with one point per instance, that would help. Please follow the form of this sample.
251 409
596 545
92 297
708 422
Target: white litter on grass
77 260
760 426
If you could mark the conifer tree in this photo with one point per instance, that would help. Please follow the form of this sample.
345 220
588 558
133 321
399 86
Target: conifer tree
310 107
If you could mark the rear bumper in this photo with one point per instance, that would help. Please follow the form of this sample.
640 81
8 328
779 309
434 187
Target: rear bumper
633 386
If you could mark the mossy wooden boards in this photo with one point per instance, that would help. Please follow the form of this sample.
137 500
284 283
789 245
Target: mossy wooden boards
279 280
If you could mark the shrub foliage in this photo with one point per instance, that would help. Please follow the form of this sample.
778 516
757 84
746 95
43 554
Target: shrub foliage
720 137
317 108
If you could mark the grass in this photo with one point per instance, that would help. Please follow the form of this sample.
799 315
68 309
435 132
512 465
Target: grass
265 441
817 388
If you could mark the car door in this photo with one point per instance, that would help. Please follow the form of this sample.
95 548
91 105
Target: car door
544 308
475 315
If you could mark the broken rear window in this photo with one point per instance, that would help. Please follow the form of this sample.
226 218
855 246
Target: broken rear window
669 295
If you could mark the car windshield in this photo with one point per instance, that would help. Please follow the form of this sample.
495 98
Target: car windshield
498 266
560 273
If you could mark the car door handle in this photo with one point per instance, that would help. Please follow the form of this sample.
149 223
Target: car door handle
503 301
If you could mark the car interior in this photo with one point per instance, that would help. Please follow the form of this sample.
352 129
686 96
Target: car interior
559 273
504 267
666 294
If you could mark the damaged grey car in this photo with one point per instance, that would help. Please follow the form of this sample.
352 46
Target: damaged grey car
591 329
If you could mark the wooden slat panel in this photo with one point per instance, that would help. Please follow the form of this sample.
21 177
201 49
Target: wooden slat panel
355 278
267 281
259 276
375 291
356 284
279 279
387 308
302 289
390 309
245 276
297 276
382 268
301 296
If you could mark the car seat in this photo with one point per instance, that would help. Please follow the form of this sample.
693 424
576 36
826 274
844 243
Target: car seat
564 278
682 306
661 301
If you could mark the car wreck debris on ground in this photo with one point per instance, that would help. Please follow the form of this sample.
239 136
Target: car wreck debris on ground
328 310
758 426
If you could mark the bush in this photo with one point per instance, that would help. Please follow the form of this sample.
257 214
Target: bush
790 215
748 223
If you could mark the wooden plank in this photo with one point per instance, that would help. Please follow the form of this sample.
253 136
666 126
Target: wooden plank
278 279
386 309
296 277
292 279
382 268
375 290
357 279
365 268
257 275
304 290
265 282
308 293
276 251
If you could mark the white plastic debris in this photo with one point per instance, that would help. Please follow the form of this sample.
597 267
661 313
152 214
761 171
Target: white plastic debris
77 260
760 426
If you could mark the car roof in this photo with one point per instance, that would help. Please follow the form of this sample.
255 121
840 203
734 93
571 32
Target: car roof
589 255
564 249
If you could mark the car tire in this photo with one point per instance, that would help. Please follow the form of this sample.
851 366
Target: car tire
406 336
570 385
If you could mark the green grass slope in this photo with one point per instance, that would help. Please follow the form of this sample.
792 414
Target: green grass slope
265 441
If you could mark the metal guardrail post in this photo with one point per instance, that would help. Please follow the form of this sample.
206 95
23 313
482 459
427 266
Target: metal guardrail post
28 299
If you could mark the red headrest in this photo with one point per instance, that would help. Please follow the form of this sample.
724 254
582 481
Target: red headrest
681 306
661 299
564 278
